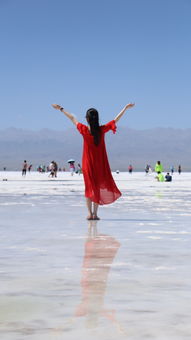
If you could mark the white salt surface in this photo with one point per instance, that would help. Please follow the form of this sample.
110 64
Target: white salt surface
127 276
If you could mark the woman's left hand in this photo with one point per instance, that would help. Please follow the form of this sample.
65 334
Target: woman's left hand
56 106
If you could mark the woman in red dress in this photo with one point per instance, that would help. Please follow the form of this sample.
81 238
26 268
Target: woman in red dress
100 187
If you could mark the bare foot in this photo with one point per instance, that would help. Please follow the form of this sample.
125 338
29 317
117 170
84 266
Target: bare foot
95 217
90 217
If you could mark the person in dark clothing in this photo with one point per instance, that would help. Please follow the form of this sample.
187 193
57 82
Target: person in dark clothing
55 168
130 169
168 177
179 169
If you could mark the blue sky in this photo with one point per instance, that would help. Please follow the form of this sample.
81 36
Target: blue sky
101 54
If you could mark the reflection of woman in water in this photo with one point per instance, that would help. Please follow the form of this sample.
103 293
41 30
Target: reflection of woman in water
100 251
99 254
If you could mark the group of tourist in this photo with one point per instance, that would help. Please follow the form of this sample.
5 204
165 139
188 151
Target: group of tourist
52 168
159 170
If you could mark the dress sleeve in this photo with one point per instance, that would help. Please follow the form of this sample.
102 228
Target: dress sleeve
110 126
81 128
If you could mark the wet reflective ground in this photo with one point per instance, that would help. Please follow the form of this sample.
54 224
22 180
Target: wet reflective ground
127 276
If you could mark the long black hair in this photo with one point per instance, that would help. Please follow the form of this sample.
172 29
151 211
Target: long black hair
92 117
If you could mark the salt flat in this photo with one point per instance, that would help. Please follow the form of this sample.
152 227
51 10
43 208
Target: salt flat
127 276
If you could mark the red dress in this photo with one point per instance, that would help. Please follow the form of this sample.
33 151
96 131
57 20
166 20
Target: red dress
99 183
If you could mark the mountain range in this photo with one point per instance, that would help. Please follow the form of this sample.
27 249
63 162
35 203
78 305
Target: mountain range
128 146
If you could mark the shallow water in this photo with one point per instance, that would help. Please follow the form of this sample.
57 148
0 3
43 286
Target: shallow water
125 277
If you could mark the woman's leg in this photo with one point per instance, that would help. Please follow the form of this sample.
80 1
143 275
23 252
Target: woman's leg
89 206
95 209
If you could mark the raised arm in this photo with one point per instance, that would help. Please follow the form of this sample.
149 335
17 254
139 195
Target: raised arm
67 114
120 114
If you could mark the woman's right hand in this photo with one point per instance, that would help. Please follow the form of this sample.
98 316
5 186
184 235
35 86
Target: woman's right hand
128 106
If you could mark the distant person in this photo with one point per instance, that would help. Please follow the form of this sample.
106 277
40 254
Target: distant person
147 169
79 169
55 168
72 168
4 168
130 169
40 168
30 167
168 177
24 168
160 177
172 169
100 187
51 169
158 167
179 169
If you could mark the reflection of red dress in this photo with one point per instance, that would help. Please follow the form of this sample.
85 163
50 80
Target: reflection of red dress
99 183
